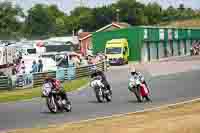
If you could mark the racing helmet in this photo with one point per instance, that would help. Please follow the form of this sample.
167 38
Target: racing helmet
93 68
132 70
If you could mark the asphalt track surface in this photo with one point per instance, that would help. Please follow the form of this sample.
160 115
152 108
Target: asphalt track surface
164 89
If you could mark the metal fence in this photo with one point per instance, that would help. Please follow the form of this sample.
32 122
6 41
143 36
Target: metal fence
36 79
4 82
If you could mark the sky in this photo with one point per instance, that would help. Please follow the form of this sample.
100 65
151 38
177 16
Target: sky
68 5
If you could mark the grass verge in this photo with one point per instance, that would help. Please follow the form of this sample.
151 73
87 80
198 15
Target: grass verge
177 119
17 95
183 23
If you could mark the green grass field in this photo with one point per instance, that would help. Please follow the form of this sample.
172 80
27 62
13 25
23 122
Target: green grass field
183 23
17 95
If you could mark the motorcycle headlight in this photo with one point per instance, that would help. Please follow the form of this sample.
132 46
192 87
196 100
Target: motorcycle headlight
142 79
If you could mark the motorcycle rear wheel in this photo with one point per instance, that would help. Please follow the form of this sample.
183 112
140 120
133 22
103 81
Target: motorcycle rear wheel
99 97
138 95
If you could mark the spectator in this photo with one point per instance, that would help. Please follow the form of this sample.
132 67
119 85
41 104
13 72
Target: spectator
40 66
22 68
14 70
34 67
90 61
94 60
2 74
84 62
17 67
70 63
76 61
98 58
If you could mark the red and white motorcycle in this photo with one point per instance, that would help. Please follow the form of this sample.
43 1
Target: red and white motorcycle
53 100
139 88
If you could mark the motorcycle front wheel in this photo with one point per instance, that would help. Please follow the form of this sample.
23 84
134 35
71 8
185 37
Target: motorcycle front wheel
99 95
138 95
51 104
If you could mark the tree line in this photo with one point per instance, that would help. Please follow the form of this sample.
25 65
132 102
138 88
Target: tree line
42 21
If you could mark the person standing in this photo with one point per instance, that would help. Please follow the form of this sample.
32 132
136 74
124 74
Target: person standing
22 68
34 67
40 66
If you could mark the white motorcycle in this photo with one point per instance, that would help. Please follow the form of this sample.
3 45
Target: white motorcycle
53 100
100 91
139 88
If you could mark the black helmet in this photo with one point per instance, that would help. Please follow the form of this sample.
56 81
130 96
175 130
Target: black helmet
133 71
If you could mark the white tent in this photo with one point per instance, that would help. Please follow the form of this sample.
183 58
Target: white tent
72 39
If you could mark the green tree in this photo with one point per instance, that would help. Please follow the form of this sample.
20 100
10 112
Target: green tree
153 12
103 16
38 22
83 18
10 24
45 21
131 12
58 19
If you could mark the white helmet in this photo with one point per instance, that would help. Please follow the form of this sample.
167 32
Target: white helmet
132 69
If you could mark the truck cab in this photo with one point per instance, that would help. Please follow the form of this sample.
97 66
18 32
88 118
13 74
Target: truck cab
117 51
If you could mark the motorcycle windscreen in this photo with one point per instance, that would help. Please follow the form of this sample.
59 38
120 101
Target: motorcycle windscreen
175 48
153 51
161 50
46 89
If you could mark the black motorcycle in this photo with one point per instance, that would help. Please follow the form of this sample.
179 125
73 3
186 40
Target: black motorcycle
54 101
101 92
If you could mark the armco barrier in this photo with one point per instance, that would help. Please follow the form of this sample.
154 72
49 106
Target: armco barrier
86 71
82 72
4 82
70 73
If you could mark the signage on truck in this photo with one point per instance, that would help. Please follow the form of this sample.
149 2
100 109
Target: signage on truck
145 34
170 37
162 34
